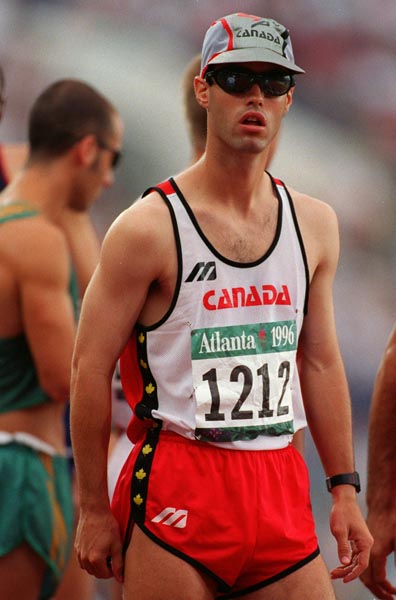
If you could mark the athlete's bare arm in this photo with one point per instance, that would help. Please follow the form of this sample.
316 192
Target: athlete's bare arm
36 260
324 385
381 488
35 301
134 280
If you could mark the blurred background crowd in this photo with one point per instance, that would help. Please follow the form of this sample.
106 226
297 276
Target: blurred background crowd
338 142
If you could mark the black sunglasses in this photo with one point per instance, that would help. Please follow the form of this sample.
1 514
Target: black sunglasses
116 153
232 81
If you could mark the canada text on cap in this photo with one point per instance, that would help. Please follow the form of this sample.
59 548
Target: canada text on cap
242 38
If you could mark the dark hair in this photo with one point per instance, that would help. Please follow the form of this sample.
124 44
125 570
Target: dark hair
63 114
196 115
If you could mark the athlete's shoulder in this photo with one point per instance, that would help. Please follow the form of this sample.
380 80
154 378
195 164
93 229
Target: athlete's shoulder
35 249
318 225
311 207
143 228
163 188
25 231
146 213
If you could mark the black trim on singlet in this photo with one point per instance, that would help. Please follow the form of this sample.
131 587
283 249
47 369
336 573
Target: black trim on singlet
179 259
228 261
149 400
300 240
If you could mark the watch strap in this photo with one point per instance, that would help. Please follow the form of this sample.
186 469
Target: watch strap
344 479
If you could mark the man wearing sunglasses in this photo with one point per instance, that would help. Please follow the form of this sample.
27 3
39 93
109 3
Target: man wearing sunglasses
208 286
74 135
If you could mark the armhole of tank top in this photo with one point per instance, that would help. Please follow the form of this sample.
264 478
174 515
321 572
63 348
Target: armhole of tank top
178 253
279 184
302 247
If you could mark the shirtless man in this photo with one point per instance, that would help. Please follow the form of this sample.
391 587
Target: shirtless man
75 136
208 285
84 247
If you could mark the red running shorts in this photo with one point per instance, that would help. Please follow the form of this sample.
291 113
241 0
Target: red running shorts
242 517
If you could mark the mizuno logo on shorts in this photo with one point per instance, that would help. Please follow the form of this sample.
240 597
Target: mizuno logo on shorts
171 516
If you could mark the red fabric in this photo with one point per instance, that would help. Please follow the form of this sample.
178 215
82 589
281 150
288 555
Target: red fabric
245 517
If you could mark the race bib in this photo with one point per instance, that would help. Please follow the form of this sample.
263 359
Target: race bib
242 380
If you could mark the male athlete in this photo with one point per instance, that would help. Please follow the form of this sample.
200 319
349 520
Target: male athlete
74 139
208 286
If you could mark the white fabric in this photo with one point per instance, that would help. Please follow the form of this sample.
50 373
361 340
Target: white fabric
26 439
224 304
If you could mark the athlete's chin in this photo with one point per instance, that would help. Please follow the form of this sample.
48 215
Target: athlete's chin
251 142
253 147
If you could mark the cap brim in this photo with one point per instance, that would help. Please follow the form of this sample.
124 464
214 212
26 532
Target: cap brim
254 55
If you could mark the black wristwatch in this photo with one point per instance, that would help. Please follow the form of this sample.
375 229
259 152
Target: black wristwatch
344 478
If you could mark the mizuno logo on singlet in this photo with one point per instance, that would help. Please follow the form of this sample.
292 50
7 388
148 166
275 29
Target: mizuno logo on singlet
203 271
251 296
171 516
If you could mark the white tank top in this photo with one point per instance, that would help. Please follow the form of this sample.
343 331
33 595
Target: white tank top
220 366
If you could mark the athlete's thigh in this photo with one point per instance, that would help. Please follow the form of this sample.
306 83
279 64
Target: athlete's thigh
153 573
310 582
21 574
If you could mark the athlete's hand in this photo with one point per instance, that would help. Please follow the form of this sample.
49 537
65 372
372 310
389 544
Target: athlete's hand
98 545
383 527
351 533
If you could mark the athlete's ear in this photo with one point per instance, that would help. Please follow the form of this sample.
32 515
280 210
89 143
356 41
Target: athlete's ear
289 100
86 150
201 88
